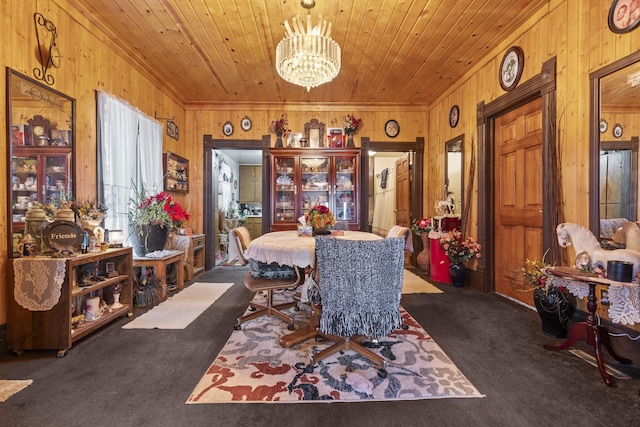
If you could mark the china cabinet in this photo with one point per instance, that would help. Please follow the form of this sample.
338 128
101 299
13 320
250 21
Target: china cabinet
41 149
54 318
306 178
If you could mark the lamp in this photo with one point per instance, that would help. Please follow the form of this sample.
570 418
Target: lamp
114 238
308 58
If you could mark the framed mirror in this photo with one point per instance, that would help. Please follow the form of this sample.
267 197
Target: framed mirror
454 173
314 131
40 153
613 152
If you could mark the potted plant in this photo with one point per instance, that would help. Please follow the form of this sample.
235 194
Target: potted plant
280 128
351 125
459 251
550 297
90 212
151 218
320 218
422 227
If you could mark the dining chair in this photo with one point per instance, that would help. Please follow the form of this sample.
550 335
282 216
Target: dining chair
404 232
360 285
239 239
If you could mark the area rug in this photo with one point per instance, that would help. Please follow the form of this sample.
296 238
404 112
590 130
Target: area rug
414 284
178 311
10 387
252 367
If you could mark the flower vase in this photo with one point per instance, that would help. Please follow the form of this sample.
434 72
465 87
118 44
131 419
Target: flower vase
555 311
424 257
458 273
350 143
321 231
279 140
148 238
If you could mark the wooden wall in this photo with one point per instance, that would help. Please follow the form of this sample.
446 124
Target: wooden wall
573 31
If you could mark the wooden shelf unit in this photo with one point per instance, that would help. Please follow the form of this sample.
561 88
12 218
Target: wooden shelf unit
52 329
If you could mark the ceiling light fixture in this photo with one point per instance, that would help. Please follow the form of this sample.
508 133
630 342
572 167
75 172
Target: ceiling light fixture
310 57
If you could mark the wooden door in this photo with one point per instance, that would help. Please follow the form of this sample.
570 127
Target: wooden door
403 192
518 196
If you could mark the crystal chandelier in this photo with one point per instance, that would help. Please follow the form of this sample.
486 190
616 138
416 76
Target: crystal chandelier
310 57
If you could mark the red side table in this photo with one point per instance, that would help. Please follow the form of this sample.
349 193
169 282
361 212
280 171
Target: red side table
439 263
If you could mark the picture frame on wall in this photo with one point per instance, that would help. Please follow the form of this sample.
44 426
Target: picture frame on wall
624 16
176 173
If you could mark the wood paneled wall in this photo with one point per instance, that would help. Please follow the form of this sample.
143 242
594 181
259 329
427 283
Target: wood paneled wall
574 31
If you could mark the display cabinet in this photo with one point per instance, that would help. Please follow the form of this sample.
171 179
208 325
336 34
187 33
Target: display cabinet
55 317
306 178
40 148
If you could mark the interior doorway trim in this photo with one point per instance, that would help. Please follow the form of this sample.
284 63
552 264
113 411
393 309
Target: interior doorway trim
210 219
541 85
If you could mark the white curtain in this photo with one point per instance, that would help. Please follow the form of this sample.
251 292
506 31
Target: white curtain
130 153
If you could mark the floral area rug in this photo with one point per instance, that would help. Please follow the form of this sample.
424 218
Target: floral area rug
253 367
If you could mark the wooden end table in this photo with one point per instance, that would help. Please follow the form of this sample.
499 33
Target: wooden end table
160 266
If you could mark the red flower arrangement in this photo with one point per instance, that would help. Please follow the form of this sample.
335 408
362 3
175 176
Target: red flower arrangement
351 124
319 216
280 126
159 209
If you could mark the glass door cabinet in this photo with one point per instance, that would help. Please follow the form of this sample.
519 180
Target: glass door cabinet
303 179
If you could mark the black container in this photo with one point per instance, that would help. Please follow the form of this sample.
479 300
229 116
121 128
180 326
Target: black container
620 271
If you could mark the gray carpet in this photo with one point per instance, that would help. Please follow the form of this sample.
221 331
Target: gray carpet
119 377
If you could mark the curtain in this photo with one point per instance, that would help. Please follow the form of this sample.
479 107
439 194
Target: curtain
130 153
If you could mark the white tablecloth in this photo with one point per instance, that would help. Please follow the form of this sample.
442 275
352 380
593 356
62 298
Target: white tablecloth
287 248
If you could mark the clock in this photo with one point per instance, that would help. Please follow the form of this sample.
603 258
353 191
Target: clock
245 124
392 128
54 56
39 130
511 68
454 116
227 129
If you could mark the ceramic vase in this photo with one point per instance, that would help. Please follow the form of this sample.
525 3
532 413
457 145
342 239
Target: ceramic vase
555 311
148 238
350 143
458 273
279 140
424 257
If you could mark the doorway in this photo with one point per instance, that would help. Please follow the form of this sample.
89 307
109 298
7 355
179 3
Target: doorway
386 182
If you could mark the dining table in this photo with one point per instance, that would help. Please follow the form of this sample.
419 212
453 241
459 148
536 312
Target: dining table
288 248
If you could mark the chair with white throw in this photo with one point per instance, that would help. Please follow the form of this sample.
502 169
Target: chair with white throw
360 284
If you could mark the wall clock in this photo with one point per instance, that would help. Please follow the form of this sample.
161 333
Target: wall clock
227 129
245 124
392 128
511 68
454 116
54 55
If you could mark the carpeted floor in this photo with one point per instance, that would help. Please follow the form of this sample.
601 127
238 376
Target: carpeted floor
253 367
143 377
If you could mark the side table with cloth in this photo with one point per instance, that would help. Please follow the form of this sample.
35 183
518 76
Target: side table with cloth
439 262
624 300
287 248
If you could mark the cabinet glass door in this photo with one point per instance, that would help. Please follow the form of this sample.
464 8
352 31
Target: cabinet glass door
56 179
316 186
345 200
24 185
285 194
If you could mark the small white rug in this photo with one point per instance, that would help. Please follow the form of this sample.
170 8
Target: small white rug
414 284
10 387
181 309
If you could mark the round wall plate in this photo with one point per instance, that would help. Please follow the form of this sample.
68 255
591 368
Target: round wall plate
617 130
603 126
227 129
511 68
454 116
245 124
392 128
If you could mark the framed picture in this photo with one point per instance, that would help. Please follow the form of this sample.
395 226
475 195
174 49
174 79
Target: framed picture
18 135
335 138
315 133
604 296
172 129
624 15
60 137
176 173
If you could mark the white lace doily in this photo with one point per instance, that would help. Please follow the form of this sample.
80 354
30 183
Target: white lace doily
38 282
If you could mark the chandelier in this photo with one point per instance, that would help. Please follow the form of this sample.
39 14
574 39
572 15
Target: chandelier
310 57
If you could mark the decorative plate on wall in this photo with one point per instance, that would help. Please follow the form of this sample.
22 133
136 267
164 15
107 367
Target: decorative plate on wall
511 68
245 124
454 116
617 130
227 129
603 126
392 128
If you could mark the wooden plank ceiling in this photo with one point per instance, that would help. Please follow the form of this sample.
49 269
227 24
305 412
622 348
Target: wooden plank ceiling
393 51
